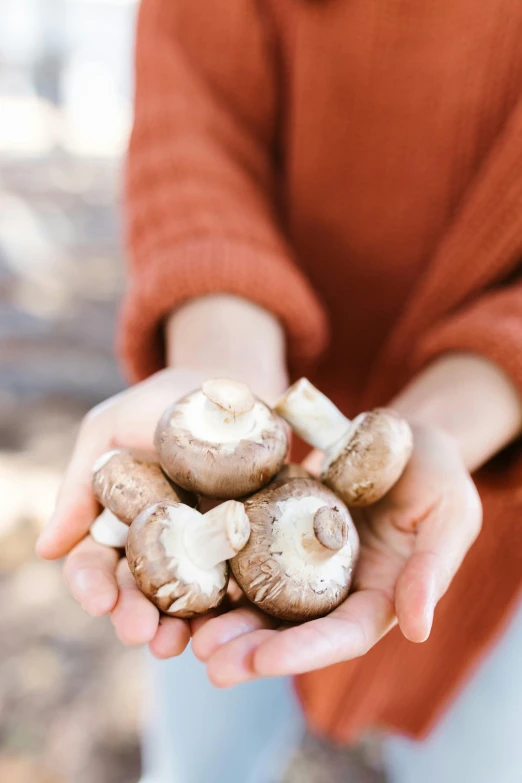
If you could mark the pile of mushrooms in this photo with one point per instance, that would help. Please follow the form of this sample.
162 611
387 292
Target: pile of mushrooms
287 538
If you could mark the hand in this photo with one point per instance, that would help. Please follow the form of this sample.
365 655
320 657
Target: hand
209 337
99 580
412 543
95 575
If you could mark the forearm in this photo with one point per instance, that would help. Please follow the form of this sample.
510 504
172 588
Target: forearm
226 335
468 397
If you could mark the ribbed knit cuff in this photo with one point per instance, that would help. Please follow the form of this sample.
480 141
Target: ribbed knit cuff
208 266
492 328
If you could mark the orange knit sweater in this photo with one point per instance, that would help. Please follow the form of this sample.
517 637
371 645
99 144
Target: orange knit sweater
354 166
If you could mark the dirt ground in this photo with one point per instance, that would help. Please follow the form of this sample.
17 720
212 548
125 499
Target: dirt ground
69 693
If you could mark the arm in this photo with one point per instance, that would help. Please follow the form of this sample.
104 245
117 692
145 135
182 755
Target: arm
201 178
230 337
471 399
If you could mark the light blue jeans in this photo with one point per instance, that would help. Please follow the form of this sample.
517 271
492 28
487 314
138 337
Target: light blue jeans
198 734
480 738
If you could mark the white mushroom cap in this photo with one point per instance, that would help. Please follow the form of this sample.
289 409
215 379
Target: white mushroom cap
108 530
220 441
364 458
178 556
299 561
126 481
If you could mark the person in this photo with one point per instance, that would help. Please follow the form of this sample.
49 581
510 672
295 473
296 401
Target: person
330 188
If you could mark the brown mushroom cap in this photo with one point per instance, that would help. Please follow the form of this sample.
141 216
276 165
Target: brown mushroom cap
292 471
127 481
163 571
207 448
365 464
285 568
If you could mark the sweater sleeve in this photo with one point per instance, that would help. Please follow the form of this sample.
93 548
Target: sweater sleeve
491 326
201 178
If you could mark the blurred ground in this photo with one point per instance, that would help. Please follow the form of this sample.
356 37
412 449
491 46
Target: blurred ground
69 693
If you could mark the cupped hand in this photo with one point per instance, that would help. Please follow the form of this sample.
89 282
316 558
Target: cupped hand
95 574
412 544
211 336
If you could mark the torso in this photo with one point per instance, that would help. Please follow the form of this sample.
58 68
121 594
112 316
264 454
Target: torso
391 109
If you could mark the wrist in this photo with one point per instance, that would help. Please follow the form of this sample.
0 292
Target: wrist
470 399
223 335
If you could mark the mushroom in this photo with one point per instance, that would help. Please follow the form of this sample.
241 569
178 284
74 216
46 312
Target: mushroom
108 530
126 481
364 457
292 471
298 563
220 441
178 555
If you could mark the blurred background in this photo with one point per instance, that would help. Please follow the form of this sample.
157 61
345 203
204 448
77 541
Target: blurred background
70 695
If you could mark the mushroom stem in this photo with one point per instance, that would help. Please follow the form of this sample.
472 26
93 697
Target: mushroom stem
329 535
108 530
231 396
217 535
312 415
229 409
330 529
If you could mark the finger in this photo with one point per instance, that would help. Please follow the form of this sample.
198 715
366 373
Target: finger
134 617
313 462
221 630
350 631
89 573
198 622
171 638
234 599
416 595
233 664
442 542
76 506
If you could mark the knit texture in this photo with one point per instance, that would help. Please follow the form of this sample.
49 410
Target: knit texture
201 183
355 167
